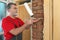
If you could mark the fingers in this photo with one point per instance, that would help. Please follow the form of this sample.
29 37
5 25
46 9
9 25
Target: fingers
36 20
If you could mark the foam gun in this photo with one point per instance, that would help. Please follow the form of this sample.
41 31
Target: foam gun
28 9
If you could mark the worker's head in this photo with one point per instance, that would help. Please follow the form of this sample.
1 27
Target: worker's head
12 9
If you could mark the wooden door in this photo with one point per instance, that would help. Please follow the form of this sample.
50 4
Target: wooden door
56 20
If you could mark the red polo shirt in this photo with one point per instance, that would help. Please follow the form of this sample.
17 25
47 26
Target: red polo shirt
7 25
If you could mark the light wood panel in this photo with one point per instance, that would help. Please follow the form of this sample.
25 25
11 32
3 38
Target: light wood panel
23 14
19 0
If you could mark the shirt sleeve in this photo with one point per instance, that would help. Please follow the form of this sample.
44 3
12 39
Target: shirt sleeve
7 25
21 22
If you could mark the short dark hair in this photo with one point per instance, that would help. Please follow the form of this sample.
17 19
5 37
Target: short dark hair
9 5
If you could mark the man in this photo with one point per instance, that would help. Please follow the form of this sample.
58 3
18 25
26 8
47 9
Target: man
13 26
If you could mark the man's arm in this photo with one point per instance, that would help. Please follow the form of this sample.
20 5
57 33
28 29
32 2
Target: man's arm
16 31
28 23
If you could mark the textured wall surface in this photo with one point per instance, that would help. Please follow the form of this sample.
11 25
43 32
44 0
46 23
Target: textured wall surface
37 8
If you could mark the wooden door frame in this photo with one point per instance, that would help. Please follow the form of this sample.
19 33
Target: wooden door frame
48 20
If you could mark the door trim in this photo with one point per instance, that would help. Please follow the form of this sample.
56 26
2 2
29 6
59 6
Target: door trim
48 10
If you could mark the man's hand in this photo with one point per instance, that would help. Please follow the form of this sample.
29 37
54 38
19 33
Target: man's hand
34 20
29 22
